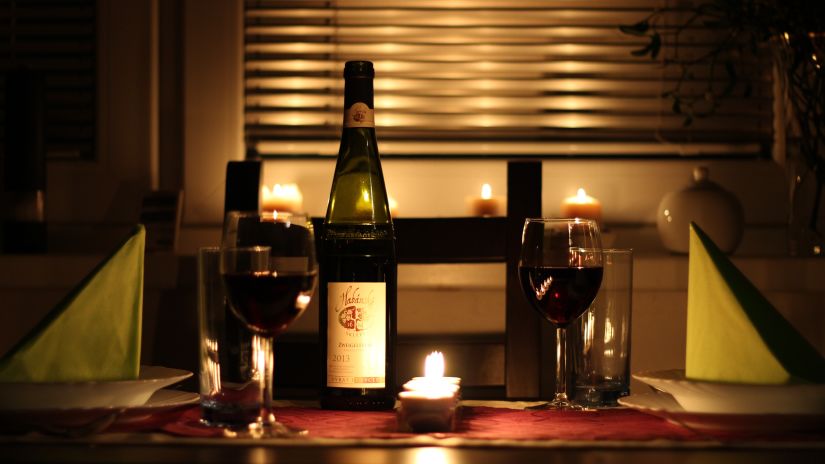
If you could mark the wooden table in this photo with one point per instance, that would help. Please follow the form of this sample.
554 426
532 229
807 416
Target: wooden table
482 438
184 450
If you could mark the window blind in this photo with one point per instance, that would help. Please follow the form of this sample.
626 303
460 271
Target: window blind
484 77
57 40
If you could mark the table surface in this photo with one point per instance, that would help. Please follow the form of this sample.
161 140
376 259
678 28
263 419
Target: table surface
183 450
487 435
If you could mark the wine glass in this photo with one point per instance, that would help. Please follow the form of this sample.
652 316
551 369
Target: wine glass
269 269
560 270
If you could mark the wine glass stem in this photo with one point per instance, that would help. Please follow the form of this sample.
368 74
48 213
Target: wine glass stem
266 351
561 365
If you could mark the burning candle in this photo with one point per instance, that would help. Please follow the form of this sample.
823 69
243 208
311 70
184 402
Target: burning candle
582 206
283 198
487 204
429 403
434 380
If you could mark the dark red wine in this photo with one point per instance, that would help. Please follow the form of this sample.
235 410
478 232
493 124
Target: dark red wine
267 301
560 294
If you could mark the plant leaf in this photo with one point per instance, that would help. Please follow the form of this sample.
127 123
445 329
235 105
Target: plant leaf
730 69
642 51
710 97
677 106
637 29
733 78
655 45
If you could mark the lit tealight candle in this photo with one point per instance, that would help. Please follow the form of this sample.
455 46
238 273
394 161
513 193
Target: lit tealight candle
434 380
429 403
282 197
487 204
582 206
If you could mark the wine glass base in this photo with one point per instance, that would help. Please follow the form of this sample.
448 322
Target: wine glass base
275 430
557 405
267 426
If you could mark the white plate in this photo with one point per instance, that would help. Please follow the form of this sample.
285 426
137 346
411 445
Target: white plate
163 406
161 402
87 395
663 405
733 398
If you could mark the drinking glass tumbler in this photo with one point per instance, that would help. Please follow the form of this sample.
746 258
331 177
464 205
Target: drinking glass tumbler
229 389
601 338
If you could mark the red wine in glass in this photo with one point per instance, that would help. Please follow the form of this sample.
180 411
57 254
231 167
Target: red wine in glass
560 294
269 270
268 301
560 270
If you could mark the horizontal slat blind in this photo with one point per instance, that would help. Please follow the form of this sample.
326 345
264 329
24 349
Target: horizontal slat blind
465 77
56 38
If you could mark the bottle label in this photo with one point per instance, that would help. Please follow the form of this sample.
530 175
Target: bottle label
359 115
356 334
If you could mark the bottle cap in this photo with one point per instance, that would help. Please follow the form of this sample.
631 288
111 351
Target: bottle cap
358 69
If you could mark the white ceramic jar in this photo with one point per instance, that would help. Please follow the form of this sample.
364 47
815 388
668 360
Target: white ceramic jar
717 211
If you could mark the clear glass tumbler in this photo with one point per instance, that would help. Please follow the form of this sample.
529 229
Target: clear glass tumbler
600 340
229 387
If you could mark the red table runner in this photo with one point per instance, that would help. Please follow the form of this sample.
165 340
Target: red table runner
488 423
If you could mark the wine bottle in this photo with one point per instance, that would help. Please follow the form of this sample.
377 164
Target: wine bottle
358 267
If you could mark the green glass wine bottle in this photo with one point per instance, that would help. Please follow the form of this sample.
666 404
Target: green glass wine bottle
357 327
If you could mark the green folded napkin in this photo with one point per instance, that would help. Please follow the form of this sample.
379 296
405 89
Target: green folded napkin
733 333
94 332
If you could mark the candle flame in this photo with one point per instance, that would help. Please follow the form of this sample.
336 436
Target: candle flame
486 192
434 365
581 198
285 197
285 190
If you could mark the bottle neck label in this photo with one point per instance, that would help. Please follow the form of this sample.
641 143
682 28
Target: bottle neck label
359 115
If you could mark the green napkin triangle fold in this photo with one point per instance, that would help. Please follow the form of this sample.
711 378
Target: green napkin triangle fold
733 333
94 332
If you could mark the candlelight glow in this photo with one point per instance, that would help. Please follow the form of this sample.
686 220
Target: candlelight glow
433 384
258 356
486 192
582 197
486 204
434 365
211 367
282 197
279 190
302 301
582 206
393 206
430 455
